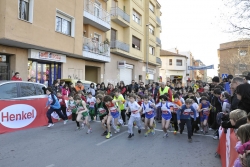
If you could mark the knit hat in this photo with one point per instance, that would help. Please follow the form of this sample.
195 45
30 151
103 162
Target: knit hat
216 79
230 77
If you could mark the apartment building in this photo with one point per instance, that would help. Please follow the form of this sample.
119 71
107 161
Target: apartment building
174 67
234 58
49 40
200 74
190 62
134 41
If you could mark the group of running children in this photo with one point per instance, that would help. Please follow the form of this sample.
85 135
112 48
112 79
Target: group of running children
137 108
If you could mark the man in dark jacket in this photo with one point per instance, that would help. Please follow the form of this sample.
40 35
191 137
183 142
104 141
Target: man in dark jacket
132 86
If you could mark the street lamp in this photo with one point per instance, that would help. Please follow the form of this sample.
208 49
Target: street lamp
147 49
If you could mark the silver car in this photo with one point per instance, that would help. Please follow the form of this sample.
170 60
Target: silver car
21 90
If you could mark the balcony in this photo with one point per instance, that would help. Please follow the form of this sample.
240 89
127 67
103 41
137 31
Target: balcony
158 61
119 48
96 16
94 50
120 17
158 42
158 21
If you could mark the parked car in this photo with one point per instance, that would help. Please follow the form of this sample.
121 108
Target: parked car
21 90
86 84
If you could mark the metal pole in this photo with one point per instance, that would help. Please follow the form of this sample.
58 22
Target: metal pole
147 49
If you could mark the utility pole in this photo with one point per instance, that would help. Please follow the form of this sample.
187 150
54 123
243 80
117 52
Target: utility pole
147 49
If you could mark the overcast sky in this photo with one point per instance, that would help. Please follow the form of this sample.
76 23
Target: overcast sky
196 26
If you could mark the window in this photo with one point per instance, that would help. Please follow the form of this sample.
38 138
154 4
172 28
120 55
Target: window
170 62
136 17
64 23
151 29
178 62
40 89
27 89
25 10
151 50
243 52
8 91
136 43
151 7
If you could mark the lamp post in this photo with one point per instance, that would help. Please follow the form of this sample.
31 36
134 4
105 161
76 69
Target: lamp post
147 49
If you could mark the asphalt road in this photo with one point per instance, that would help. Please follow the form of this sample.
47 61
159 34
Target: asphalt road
62 146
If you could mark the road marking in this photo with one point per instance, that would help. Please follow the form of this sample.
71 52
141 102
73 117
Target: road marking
51 165
159 130
107 140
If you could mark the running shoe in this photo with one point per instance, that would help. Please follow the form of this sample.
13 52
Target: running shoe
65 121
139 131
59 119
148 131
153 132
108 135
190 140
130 135
89 131
210 129
83 125
165 135
77 128
50 125
105 133
216 137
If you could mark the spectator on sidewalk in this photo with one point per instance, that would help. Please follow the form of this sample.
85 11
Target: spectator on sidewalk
16 77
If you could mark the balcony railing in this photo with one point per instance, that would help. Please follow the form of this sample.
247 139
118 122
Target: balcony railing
91 45
158 40
158 20
158 60
94 9
115 11
119 45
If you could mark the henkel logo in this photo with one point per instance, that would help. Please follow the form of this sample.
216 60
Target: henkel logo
17 116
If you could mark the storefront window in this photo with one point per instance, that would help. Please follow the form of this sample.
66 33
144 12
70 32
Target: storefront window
44 73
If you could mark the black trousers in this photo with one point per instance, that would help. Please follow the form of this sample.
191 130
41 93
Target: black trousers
189 126
74 115
123 115
58 111
64 111
194 124
158 113
174 120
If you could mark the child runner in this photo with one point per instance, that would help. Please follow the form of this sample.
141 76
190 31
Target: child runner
102 110
135 115
91 101
61 100
183 117
120 103
82 112
113 113
194 124
177 106
73 109
204 109
148 109
166 115
151 98
53 105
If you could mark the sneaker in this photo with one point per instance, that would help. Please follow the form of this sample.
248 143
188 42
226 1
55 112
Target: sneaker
190 140
59 119
105 133
130 135
148 131
153 132
139 131
210 129
65 121
50 125
216 137
118 128
165 135
201 130
89 131
77 128
108 135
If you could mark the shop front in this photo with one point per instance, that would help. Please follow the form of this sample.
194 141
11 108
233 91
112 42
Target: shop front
45 66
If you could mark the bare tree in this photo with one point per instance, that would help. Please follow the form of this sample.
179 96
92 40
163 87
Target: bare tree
237 16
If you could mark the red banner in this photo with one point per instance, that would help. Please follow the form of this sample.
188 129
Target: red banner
22 114
226 147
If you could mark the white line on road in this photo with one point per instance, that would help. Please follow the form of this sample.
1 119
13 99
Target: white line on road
195 134
51 165
111 138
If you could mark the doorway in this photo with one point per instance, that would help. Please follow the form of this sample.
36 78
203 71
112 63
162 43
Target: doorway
91 73
4 71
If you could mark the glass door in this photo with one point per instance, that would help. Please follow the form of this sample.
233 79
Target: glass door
4 71
43 73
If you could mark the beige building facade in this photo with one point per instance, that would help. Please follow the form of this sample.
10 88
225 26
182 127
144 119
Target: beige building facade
234 58
95 40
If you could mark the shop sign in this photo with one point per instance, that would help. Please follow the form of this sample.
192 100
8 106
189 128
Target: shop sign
122 64
44 55
2 58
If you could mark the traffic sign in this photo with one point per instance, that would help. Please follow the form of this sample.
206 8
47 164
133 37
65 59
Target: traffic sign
224 75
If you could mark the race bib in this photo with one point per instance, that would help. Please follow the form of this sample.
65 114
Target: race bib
134 111
187 112
92 104
102 110
113 109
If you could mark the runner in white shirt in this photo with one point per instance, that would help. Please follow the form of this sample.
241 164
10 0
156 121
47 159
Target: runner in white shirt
135 115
